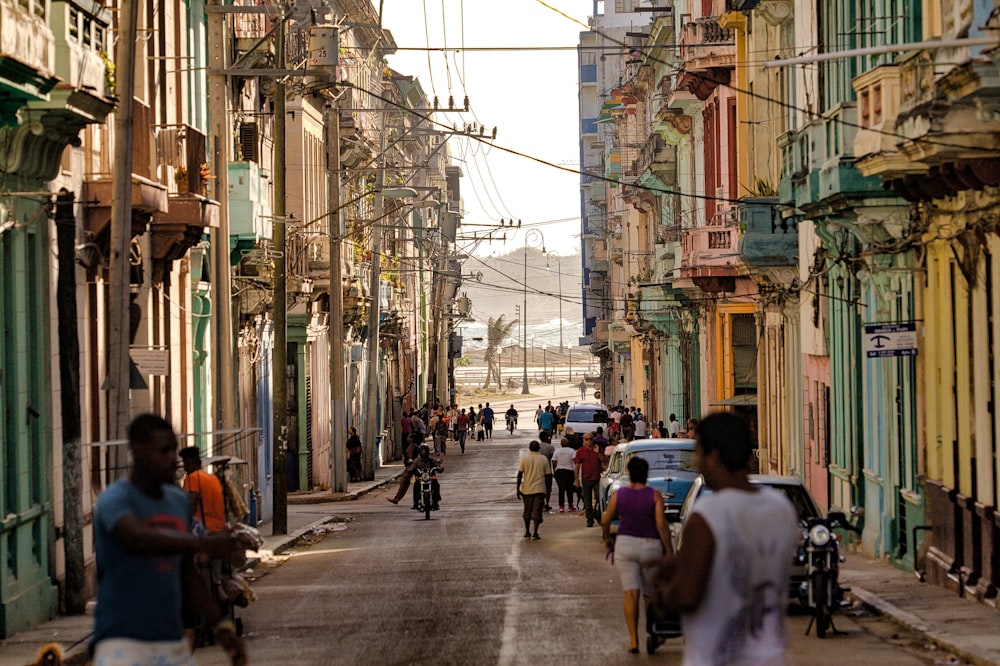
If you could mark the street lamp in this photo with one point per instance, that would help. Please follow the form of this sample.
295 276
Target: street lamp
534 236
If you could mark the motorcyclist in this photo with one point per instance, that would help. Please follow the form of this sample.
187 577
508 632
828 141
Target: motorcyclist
512 415
420 463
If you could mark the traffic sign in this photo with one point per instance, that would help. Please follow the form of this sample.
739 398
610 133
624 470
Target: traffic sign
882 340
597 395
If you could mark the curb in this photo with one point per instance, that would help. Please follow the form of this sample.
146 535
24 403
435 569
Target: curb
912 622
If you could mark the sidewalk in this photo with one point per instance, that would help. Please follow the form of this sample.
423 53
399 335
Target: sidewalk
306 511
964 627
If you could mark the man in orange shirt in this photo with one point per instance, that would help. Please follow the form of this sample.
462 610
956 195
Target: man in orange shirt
206 490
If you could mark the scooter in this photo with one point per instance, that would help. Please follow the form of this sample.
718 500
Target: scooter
425 491
820 553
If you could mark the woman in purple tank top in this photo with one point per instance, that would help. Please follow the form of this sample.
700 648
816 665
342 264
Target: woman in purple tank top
642 539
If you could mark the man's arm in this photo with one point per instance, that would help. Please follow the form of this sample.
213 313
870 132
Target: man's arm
140 539
687 582
520 475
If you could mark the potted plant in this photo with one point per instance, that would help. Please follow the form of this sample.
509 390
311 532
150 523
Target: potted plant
181 178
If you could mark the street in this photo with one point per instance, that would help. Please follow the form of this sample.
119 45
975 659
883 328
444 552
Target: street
465 588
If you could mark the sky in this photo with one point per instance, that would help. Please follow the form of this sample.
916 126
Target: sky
530 95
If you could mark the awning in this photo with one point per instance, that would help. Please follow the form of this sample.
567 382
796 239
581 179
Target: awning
745 400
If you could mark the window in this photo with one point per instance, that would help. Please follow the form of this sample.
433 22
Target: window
88 27
73 24
674 459
623 6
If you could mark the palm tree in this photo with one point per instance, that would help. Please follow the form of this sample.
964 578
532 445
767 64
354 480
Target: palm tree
497 331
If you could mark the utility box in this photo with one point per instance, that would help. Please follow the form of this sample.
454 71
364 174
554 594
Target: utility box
324 48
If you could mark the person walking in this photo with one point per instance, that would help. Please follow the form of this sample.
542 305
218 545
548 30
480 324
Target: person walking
627 425
418 427
487 416
642 539
354 452
546 422
640 426
461 428
732 619
562 469
673 426
587 464
532 473
547 450
583 390
145 563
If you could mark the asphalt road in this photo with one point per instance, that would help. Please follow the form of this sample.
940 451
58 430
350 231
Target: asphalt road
465 588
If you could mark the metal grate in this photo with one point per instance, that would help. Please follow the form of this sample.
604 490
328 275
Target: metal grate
249 142
309 430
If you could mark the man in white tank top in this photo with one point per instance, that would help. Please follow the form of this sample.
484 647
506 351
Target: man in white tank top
730 578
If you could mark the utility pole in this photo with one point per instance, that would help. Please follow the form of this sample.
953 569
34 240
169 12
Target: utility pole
441 372
372 382
338 410
69 383
279 360
224 401
121 239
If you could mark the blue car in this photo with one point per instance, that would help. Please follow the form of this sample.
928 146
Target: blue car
671 469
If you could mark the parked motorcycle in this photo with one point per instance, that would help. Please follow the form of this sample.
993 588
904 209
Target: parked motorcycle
820 553
425 491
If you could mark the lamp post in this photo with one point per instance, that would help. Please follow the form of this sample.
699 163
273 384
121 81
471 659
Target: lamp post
535 236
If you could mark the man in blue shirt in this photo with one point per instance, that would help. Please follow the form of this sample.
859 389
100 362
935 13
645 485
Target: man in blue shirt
547 420
145 563
486 418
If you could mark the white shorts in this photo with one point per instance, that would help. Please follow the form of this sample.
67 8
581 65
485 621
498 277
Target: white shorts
128 652
634 557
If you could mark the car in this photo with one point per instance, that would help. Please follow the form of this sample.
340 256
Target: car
616 465
671 469
790 486
582 418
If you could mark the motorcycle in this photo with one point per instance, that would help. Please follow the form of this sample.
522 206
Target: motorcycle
425 491
511 424
820 553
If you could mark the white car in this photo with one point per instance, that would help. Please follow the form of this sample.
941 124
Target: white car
583 418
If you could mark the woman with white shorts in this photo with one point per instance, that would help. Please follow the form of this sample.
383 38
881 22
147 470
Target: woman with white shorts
641 540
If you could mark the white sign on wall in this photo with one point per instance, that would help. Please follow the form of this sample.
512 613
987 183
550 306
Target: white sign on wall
151 361
883 340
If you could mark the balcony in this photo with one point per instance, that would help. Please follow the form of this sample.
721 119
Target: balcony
710 256
27 68
834 137
657 157
708 54
148 195
182 225
598 192
767 239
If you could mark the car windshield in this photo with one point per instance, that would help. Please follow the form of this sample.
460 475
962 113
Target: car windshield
668 459
587 416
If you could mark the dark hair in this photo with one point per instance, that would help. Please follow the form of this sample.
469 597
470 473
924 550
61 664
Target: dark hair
534 446
545 436
638 469
141 430
730 435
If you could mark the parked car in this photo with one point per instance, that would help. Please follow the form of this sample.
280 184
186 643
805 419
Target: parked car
583 418
671 469
615 468
805 507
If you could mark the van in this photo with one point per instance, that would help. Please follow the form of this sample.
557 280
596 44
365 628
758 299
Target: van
582 418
